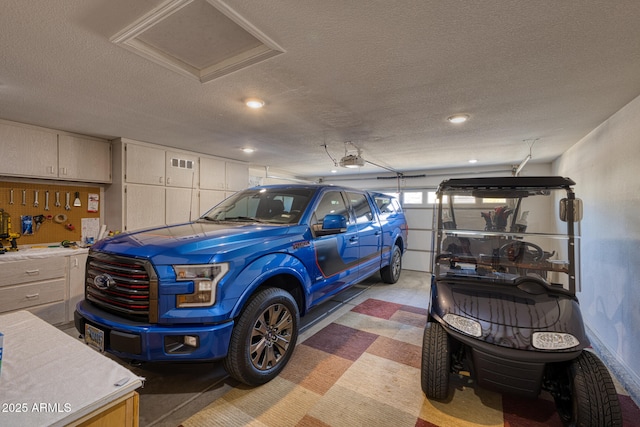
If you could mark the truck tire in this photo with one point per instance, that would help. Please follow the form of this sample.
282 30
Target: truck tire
263 338
391 273
436 362
590 397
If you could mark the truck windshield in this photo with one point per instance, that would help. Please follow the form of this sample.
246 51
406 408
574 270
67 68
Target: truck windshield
265 205
500 239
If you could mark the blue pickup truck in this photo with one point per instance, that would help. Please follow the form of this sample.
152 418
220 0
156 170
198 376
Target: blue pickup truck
233 284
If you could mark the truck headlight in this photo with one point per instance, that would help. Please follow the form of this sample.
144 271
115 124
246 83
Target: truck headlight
205 277
553 340
463 324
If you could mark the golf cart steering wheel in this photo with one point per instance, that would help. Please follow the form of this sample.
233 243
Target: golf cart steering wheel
515 248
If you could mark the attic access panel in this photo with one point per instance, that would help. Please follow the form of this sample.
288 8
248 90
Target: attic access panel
203 39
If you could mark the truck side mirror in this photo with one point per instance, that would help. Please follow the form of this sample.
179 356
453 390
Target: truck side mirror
567 205
333 224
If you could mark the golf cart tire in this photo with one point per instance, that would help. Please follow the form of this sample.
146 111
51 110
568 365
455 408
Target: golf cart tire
594 400
436 362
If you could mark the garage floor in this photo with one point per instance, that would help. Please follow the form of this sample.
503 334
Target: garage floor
357 363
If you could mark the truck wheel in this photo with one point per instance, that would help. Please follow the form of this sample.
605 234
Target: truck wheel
436 365
391 273
589 396
263 338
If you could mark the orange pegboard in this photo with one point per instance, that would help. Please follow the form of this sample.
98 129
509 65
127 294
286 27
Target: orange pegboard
55 227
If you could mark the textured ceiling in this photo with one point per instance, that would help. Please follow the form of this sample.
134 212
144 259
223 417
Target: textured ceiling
384 75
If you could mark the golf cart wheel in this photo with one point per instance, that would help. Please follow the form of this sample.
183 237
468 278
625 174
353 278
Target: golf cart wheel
436 362
589 397
263 338
391 273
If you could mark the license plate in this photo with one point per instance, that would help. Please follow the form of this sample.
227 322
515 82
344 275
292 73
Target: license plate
94 337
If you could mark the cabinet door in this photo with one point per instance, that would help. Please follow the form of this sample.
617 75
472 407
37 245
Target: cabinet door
144 206
84 159
237 176
212 174
181 205
181 170
210 198
76 282
28 152
144 165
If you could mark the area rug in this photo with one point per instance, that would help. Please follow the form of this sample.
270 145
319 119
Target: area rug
364 370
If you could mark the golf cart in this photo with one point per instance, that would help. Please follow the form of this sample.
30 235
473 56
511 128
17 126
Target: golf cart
503 306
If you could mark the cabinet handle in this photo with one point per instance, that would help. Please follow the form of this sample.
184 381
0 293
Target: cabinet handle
160 180
32 296
168 180
32 272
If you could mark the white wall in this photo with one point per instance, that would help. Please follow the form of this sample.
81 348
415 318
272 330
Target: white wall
606 167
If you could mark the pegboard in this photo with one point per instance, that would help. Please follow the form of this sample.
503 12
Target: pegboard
58 220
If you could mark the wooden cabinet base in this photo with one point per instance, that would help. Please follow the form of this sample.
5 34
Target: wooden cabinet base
122 412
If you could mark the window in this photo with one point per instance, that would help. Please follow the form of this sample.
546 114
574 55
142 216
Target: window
412 197
331 203
361 207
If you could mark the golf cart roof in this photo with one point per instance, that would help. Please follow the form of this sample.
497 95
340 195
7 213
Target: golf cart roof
507 183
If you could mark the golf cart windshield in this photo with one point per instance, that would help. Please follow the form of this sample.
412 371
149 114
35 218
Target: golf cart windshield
501 235
262 205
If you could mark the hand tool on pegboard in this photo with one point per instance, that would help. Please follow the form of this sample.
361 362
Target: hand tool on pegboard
5 232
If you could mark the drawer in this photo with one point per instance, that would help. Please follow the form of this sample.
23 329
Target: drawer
32 294
32 270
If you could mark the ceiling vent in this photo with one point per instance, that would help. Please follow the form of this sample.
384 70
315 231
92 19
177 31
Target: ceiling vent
202 39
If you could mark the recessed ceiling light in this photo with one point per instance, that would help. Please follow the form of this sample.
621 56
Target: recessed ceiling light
458 118
254 103
334 171
473 161
248 150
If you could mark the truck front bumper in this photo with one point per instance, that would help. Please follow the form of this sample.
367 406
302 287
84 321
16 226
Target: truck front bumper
151 342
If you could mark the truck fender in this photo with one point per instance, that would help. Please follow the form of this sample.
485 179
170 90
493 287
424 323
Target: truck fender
266 267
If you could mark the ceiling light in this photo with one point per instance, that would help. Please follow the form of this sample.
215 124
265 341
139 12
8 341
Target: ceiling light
248 150
254 103
458 118
473 161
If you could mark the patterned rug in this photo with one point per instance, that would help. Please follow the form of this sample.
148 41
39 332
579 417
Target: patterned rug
364 370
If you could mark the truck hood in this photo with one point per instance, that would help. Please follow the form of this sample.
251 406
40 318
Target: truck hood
197 242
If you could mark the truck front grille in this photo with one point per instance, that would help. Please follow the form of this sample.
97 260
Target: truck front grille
121 285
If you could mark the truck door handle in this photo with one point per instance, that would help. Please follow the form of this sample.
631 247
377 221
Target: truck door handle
354 239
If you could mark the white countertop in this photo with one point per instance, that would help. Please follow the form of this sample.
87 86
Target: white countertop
40 252
54 378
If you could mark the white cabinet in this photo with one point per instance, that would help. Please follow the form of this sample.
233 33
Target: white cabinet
237 175
144 164
36 285
149 206
217 174
76 267
33 152
212 174
28 151
210 198
84 159
181 205
181 170
144 206
154 186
